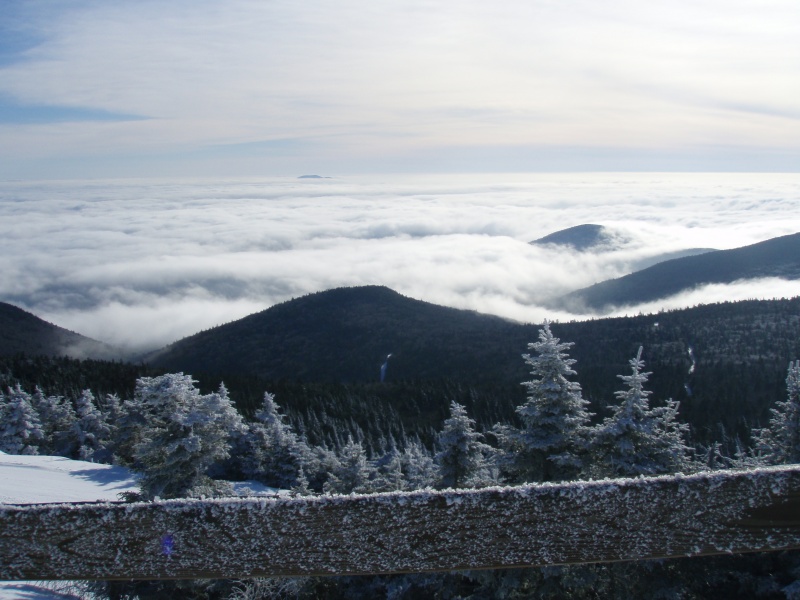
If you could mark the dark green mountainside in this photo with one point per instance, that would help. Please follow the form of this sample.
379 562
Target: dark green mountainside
23 332
345 335
322 355
778 257
726 363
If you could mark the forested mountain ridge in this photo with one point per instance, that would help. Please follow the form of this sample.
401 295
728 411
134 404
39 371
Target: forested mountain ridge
581 237
21 331
777 257
322 356
346 334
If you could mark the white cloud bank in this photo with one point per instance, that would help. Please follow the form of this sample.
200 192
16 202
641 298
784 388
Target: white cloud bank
240 87
142 264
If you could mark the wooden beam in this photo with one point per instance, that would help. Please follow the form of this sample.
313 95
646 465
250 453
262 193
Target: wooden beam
578 522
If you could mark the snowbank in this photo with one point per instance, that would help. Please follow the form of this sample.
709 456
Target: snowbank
44 479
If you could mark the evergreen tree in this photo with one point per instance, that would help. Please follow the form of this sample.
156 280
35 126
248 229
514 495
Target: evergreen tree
386 474
419 468
272 452
57 417
780 442
20 428
462 455
129 427
636 439
352 473
183 435
553 439
92 433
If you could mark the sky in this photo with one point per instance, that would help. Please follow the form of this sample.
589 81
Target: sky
142 263
247 88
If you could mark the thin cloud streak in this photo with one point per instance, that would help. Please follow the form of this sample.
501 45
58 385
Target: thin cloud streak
142 264
370 86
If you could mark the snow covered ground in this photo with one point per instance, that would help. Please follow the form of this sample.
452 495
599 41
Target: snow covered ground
39 479
36 479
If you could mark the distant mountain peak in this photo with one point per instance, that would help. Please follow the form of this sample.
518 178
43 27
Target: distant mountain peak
776 257
581 237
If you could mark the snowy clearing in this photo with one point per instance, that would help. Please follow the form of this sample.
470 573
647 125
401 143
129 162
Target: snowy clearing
42 479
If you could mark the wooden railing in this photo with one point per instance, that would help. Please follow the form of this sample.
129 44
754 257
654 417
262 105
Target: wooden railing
579 522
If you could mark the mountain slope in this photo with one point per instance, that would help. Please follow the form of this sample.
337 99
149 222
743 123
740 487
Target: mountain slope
581 237
778 257
346 334
21 331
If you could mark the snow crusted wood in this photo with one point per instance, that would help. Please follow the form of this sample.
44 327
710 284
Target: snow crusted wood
578 522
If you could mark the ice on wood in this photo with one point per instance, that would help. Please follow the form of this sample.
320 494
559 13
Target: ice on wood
564 523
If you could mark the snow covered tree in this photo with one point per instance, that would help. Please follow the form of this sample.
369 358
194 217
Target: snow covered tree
92 433
553 439
636 439
780 442
462 455
184 433
386 474
20 428
419 469
57 417
352 473
271 452
129 427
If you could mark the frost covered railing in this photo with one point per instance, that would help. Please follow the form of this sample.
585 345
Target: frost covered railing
580 522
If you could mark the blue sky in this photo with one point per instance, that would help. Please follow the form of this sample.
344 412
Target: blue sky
93 88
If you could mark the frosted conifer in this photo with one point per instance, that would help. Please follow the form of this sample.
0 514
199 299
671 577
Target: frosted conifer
550 445
20 428
462 454
271 451
636 439
90 430
352 473
419 469
387 473
57 417
780 442
183 435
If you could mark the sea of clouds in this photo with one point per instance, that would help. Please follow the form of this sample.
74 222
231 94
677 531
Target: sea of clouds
142 263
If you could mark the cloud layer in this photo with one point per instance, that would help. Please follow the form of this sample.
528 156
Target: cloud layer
243 87
142 264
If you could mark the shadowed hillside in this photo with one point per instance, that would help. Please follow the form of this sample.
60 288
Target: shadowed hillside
321 355
778 257
346 334
23 332
581 237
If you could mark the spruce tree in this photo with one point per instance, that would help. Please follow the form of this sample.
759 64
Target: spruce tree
780 442
387 473
92 433
58 418
352 473
462 454
419 469
636 439
271 452
553 439
184 434
20 428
